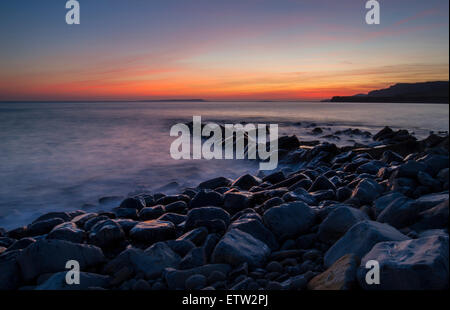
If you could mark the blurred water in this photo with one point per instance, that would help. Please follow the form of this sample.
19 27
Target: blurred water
60 156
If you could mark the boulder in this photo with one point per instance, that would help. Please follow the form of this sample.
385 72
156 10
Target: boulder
206 198
321 183
339 221
235 202
237 247
340 276
49 256
360 239
418 264
57 282
43 227
175 218
215 183
256 228
246 182
133 203
152 213
150 232
196 236
199 216
367 191
67 231
384 201
10 275
434 218
106 234
21 244
289 220
150 262
52 215
176 207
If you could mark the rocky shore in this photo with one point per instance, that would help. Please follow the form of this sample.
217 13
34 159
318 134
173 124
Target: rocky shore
312 226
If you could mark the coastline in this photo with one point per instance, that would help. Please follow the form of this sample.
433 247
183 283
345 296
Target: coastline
312 228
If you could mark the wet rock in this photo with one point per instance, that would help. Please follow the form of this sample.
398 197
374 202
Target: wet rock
340 276
52 215
176 207
49 256
429 201
127 213
132 203
436 217
6 242
150 232
206 198
321 183
198 216
126 224
195 258
343 193
371 167
275 177
81 220
106 234
68 232
166 200
151 213
181 247
322 195
173 217
435 163
21 244
410 169
389 157
418 264
289 220
384 201
237 247
427 180
43 227
246 182
339 221
215 183
360 239
87 280
235 202
288 142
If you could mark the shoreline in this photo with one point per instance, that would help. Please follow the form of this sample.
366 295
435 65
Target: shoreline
312 228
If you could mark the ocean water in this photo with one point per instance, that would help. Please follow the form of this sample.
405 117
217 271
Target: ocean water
65 156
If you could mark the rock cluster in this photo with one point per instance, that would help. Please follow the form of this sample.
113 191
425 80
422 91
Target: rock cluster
313 224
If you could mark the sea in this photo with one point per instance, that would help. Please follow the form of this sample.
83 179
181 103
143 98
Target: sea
66 156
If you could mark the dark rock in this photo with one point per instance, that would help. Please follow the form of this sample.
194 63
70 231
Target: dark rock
206 198
306 241
150 232
150 262
420 264
371 167
399 213
435 163
289 220
255 228
49 256
322 195
239 271
81 220
195 258
197 236
10 275
275 177
215 183
127 213
52 215
235 202
274 267
321 183
91 222
429 201
389 157
246 182
299 194
410 169
367 191
173 217
216 276
436 217
43 227
106 234
237 247
195 282
87 280
198 216
68 232
343 193
181 247
132 203
6 242
166 200
384 201
360 238
176 207
141 285
338 222
176 279
21 244
126 224
210 243
288 142
151 213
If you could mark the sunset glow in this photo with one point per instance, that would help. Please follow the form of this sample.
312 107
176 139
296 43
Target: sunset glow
227 50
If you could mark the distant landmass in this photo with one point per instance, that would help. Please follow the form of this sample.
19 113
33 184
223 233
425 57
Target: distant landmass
426 92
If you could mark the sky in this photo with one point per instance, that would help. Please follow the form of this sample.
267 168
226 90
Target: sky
217 50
